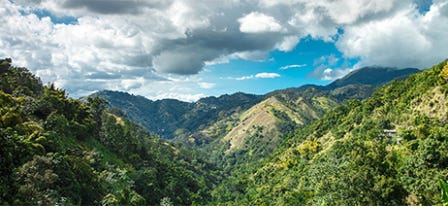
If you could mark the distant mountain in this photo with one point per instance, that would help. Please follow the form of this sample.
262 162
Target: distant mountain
389 149
348 143
170 118
253 134
374 76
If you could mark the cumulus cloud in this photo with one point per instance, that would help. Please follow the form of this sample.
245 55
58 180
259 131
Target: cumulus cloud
132 45
256 22
405 39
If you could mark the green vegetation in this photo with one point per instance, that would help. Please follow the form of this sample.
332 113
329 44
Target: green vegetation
60 151
302 146
389 149
171 118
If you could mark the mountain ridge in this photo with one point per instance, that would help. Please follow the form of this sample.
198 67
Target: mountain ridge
300 146
175 114
372 76
388 149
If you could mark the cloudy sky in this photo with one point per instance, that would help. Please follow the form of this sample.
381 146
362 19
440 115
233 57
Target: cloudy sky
187 49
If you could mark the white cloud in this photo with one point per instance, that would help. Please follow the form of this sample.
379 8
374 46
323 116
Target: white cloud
406 39
132 83
206 85
349 11
262 75
325 73
250 55
330 67
174 87
292 66
265 75
179 96
331 74
183 17
110 46
288 43
256 22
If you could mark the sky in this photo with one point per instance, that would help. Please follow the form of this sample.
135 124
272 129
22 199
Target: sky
189 49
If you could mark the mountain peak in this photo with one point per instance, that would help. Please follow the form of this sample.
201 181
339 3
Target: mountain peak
372 76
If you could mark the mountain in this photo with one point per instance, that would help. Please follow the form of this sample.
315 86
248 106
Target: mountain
389 149
282 111
361 83
299 146
61 151
161 117
171 118
372 76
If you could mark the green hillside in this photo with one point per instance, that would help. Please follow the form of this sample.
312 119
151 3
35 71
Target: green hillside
253 134
59 151
389 149
172 118
300 146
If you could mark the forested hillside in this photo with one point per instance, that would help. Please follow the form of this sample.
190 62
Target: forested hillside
389 149
251 135
301 146
60 151
239 140
172 118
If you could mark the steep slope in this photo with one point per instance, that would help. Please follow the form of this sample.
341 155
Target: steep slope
260 129
171 118
176 119
262 117
389 149
59 151
282 111
162 117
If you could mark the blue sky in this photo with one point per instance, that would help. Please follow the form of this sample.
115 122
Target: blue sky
288 69
188 49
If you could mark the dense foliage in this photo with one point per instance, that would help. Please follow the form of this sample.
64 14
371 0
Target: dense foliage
172 118
59 151
389 149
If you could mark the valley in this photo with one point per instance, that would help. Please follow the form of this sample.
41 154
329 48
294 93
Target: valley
355 141
223 103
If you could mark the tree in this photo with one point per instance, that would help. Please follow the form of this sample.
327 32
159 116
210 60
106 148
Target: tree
444 72
37 180
97 106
